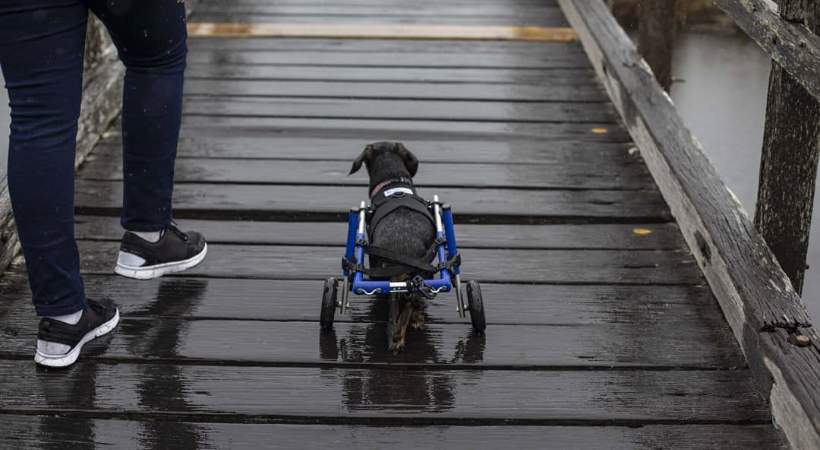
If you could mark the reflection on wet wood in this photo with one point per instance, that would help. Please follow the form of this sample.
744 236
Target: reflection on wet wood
551 60
37 432
233 201
578 175
513 346
385 396
520 266
645 307
253 144
664 236
479 91
377 129
405 110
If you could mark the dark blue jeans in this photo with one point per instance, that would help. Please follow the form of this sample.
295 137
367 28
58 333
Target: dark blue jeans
41 55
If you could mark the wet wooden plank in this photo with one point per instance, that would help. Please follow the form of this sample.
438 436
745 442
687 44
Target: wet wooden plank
375 130
582 174
548 57
227 4
383 18
391 90
525 266
409 31
296 300
253 144
48 432
644 307
576 236
386 45
406 110
323 203
451 75
386 396
227 342
408 10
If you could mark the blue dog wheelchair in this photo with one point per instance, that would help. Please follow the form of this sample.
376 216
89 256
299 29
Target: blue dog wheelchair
446 271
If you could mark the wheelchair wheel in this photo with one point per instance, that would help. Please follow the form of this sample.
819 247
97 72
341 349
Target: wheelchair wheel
328 304
476 305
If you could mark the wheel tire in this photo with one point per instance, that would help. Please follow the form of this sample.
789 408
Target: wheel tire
328 304
476 305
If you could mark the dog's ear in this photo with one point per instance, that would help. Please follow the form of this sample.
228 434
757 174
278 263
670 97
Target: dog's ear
367 153
410 160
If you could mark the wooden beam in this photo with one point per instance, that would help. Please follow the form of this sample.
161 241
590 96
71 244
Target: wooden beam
381 31
788 165
790 44
656 37
757 299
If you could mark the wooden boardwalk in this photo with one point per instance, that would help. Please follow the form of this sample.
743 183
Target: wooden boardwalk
602 332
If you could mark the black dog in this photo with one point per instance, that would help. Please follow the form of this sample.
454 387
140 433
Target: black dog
401 231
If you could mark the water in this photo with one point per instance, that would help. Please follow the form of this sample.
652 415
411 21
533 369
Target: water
722 98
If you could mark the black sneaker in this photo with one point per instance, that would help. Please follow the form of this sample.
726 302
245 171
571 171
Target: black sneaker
174 252
59 343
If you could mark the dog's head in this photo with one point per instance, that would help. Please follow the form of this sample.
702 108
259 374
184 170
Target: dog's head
385 160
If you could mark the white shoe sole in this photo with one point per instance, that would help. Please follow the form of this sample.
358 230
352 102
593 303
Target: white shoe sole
67 359
156 271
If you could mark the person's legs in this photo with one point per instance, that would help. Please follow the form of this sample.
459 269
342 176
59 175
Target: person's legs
151 38
41 55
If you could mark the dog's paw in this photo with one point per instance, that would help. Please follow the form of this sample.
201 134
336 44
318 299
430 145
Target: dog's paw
396 346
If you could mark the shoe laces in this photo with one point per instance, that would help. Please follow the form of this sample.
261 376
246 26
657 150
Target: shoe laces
175 229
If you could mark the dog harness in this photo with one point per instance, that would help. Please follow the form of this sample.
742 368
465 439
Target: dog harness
390 196
393 196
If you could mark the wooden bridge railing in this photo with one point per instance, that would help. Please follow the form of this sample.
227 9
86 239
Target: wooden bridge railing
758 299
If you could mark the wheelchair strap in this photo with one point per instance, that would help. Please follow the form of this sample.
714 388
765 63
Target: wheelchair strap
401 263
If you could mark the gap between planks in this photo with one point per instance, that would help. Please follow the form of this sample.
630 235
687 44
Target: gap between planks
382 31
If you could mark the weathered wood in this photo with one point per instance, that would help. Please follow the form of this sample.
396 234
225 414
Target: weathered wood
384 396
231 202
386 45
661 236
644 307
410 11
656 37
383 18
793 46
584 173
399 130
547 59
788 165
558 92
502 76
404 110
525 266
53 432
253 144
755 294
689 344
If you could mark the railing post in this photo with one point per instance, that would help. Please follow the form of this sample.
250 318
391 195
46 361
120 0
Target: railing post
656 36
788 167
